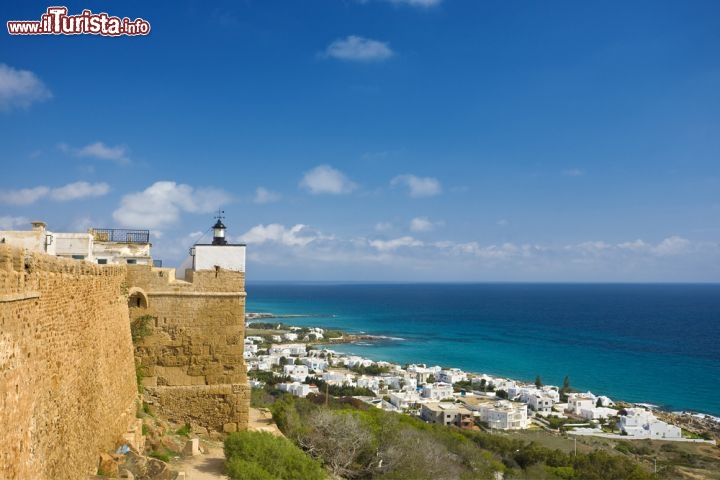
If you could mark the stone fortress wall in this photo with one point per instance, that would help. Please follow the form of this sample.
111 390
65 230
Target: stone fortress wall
67 384
192 356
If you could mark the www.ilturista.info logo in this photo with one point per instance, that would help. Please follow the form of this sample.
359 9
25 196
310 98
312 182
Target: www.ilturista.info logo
57 22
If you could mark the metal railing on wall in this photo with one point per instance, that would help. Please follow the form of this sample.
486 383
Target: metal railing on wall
121 235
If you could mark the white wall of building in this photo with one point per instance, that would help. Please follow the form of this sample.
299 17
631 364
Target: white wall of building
227 257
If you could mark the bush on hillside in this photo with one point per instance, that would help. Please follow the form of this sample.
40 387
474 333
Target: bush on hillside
261 455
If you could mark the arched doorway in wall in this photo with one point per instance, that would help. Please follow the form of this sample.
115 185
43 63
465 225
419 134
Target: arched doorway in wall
137 298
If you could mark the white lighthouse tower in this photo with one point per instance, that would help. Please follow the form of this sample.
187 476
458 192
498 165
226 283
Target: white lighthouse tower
219 254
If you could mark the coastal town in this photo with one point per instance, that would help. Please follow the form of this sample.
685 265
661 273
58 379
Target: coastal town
299 361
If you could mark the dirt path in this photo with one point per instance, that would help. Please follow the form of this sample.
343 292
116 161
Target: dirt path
261 421
211 465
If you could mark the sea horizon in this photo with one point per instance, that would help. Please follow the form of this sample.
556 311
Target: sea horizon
615 339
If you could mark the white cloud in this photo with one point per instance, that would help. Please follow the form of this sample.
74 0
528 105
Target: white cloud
325 179
263 195
669 246
100 151
422 224
23 196
359 49
489 252
286 250
296 236
10 223
394 244
418 186
591 248
637 245
20 88
672 246
71 191
162 203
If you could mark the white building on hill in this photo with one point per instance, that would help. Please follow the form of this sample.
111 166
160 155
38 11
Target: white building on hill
437 391
642 423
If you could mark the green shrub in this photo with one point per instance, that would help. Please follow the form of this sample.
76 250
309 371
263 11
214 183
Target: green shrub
163 455
239 469
139 375
184 430
140 327
272 457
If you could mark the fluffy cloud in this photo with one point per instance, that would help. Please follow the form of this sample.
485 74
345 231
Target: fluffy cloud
421 224
23 196
394 244
161 204
383 226
325 179
263 195
672 246
296 236
100 151
418 186
20 88
358 49
71 191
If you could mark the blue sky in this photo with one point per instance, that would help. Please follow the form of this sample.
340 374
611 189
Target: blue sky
414 140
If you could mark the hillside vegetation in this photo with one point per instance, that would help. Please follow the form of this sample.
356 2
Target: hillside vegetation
352 441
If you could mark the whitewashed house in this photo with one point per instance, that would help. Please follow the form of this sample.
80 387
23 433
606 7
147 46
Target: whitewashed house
338 378
503 415
371 382
452 375
354 361
297 373
437 391
288 349
315 363
423 373
404 400
577 402
540 402
298 389
596 413
638 422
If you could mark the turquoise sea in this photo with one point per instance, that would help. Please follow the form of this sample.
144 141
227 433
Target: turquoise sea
657 343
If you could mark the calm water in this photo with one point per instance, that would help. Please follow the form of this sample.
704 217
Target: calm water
644 343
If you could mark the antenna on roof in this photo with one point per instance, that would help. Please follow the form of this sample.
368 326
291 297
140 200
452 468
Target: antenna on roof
220 215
